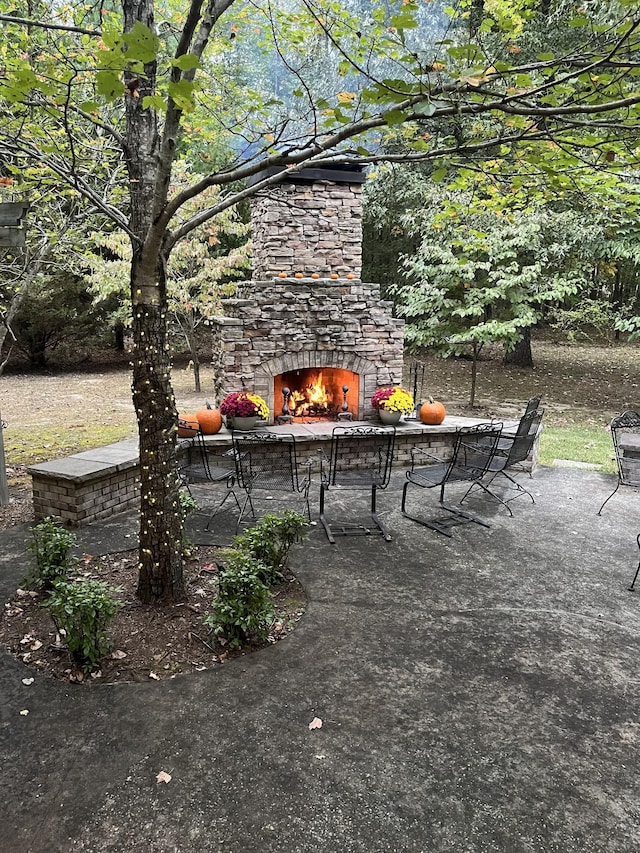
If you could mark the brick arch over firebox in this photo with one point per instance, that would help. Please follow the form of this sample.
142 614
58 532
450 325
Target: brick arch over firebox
263 379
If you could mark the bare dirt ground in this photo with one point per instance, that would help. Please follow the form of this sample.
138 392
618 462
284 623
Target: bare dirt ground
52 415
146 642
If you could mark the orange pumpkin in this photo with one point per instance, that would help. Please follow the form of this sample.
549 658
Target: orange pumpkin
210 419
334 275
432 412
187 423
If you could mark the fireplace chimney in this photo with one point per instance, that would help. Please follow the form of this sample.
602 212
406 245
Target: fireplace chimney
310 224
306 310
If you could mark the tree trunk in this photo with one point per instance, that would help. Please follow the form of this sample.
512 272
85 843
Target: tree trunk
187 325
160 578
190 335
118 337
521 355
474 375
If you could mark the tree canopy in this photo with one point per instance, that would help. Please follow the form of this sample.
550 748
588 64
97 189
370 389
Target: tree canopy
105 99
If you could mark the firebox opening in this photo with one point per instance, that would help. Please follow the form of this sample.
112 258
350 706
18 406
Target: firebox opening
317 393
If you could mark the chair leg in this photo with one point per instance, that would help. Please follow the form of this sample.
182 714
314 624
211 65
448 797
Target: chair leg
518 487
609 498
230 494
374 515
323 520
442 525
247 500
432 524
353 529
635 577
480 485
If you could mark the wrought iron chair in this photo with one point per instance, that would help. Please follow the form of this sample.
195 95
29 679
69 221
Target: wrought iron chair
360 459
203 466
635 577
473 451
512 451
625 432
268 463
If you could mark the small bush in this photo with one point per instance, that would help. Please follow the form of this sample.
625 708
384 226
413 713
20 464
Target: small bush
188 503
270 541
243 608
51 545
83 610
587 319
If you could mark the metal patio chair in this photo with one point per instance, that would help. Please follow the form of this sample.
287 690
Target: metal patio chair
267 466
473 451
511 452
203 466
625 433
359 459
635 577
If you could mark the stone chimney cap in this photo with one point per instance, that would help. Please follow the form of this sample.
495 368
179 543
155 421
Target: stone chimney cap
339 173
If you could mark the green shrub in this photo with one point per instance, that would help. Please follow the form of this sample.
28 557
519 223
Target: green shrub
243 608
83 610
51 545
270 540
584 320
188 503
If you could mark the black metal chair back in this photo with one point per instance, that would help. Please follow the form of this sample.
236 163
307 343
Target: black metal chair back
268 462
512 450
533 404
525 437
625 433
203 466
196 468
473 453
359 458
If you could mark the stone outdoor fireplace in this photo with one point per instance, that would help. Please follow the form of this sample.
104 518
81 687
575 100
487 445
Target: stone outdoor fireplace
306 333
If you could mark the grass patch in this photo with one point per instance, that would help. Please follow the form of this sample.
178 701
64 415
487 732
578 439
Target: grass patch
43 444
579 444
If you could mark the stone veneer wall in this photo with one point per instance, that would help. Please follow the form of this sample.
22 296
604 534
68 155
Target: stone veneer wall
308 228
279 325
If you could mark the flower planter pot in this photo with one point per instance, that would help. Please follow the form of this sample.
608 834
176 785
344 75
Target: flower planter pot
244 424
389 418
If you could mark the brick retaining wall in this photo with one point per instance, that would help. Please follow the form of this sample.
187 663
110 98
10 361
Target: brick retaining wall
98 483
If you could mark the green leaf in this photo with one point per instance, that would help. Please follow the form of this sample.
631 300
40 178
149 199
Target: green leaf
156 102
109 85
182 94
186 62
142 44
439 175
426 108
394 117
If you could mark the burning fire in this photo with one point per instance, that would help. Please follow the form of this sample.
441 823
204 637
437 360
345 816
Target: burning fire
312 399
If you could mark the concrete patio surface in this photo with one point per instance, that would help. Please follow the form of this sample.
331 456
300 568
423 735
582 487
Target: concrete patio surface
478 694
